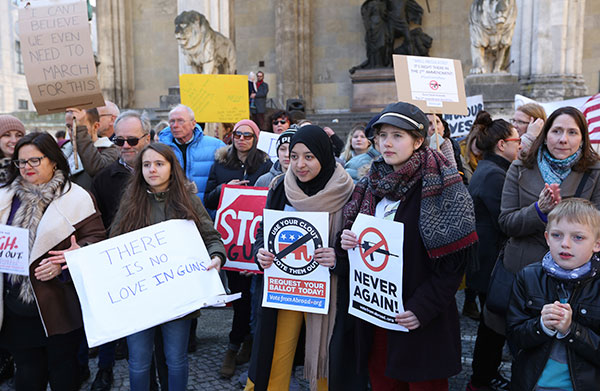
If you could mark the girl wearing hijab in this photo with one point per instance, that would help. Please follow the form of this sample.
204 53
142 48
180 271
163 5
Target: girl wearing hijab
414 184
314 182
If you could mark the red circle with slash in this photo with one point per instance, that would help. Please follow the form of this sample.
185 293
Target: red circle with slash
382 243
434 85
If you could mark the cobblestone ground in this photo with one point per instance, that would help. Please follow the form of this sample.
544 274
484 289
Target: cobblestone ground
213 329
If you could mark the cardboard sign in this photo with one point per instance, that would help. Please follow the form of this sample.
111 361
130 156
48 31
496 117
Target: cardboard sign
296 281
267 142
216 98
435 85
376 272
238 217
14 250
142 279
460 125
58 57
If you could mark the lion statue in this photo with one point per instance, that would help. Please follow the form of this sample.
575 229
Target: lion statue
491 24
206 50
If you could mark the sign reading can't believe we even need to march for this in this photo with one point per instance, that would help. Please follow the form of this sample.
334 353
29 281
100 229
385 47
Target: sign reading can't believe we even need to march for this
142 279
296 281
376 271
239 214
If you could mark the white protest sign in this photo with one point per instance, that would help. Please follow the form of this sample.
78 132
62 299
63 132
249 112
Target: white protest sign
58 56
376 271
549 107
296 281
142 279
460 125
267 142
14 250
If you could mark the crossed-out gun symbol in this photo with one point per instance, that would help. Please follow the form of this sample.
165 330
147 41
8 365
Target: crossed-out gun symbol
372 247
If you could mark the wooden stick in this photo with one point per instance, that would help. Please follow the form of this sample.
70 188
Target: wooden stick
74 142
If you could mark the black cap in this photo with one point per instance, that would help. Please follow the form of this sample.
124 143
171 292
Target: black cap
404 116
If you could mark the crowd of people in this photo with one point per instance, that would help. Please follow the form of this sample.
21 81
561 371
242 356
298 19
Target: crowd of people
510 211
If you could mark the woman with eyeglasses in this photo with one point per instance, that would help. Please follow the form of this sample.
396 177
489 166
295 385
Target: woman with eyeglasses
528 119
500 144
158 191
240 163
41 322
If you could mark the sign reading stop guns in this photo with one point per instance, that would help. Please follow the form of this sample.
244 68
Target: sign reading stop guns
376 267
238 216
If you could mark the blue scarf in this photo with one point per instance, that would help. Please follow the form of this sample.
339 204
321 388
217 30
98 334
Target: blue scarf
555 170
588 269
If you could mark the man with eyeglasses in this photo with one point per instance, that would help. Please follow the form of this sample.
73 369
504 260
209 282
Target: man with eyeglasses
108 114
195 150
132 134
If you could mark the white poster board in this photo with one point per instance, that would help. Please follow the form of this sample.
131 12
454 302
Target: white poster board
142 279
14 250
296 281
460 125
267 142
376 271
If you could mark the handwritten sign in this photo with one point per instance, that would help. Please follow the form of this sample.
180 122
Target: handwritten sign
238 216
143 278
267 142
58 57
296 281
216 98
14 250
376 271
435 85
460 125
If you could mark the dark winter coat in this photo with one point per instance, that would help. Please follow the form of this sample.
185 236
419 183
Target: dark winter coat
533 289
221 174
486 190
107 188
260 99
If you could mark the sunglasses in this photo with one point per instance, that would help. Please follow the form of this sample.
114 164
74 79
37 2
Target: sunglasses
280 122
33 162
132 141
246 135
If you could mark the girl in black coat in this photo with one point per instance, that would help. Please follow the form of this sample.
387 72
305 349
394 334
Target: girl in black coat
500 143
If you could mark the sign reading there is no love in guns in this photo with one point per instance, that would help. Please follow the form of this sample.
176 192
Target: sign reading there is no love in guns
142 279
57 55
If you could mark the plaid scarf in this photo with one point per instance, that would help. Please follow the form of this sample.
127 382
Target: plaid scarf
447 217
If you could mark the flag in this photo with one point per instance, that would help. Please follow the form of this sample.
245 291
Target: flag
591 110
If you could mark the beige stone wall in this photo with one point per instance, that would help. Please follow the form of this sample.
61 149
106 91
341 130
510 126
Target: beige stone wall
591 46
156 66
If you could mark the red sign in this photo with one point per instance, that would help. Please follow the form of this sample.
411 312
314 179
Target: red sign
238 217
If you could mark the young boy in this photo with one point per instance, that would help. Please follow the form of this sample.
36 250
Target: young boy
554 313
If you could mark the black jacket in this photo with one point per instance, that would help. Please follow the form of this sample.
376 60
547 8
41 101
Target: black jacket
533 289
108 187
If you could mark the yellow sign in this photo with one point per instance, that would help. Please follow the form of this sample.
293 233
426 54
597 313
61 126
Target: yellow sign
216 98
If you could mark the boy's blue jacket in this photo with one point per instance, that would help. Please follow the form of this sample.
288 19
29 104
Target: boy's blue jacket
532 289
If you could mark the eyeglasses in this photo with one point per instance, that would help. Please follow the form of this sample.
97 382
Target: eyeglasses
132 141
280 122
513 139
33 162
178 121
105 115
518 122
246 135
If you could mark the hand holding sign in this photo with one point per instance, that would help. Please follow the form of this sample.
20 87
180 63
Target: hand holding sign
349 240
59 255
265 258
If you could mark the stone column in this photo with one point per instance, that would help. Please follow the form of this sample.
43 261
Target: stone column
219 14
547 48
292 50
115 51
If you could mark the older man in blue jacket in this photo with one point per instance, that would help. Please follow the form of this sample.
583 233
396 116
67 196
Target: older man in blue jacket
195 151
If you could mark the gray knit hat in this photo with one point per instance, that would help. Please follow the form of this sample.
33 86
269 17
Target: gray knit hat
8 123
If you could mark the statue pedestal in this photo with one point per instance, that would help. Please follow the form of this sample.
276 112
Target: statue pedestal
498 90
373 89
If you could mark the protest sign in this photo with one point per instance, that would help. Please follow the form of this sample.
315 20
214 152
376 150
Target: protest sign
296 281
238 216
549 107
216 98
376 271
142 279
435 85
58 57
267 142
460 125
14 250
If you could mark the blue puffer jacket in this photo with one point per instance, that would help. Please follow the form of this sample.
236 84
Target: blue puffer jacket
359 165
200 155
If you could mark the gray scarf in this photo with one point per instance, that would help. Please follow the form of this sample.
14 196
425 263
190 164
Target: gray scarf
34 201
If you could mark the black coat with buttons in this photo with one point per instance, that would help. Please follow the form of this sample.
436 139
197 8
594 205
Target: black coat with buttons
533 288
